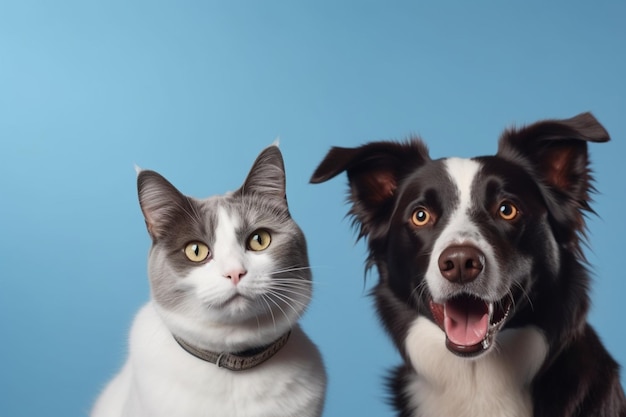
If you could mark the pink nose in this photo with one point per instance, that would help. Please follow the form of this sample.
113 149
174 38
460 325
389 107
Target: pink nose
235 275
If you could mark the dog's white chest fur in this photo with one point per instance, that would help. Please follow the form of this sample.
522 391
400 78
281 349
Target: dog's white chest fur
162 380
496 384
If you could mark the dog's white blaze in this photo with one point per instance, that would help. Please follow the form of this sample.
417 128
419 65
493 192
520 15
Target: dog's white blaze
496 384
461 230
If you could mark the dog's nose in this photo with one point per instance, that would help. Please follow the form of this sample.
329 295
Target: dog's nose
461 264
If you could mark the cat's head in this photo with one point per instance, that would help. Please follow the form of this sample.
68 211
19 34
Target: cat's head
232 260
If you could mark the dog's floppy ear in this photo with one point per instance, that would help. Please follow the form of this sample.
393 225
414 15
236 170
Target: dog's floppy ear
556 152
374 171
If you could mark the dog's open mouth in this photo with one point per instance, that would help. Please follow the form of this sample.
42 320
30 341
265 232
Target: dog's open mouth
470 323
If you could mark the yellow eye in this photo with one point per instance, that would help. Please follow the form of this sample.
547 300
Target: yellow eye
259 240
196 251
507 210
421 217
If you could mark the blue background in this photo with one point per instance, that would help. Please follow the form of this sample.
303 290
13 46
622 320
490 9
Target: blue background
196 89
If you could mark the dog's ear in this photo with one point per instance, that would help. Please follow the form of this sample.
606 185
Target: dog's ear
374 171
556 152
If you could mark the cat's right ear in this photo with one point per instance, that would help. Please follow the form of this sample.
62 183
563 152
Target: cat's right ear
161 203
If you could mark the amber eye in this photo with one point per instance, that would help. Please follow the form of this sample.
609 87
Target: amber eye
421 217
196 251
507 210
259 240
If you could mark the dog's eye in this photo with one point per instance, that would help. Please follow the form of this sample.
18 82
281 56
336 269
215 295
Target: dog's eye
196 251
507 210
259 240
421 217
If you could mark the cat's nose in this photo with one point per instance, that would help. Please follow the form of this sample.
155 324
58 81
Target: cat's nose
236 275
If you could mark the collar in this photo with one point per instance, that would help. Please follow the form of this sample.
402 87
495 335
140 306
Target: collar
238 361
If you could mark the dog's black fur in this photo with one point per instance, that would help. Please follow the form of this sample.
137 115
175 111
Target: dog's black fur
544 169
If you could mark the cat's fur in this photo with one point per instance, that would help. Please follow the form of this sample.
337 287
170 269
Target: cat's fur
237 299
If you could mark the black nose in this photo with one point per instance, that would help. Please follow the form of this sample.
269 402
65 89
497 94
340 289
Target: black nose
461 264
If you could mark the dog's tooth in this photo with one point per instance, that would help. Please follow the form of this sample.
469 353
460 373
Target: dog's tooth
491 310
486 343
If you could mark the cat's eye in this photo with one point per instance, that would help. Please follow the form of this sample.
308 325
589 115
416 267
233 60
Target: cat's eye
259 240
196 251
507 210
421 217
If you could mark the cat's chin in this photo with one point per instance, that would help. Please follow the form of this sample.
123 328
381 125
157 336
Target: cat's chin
217 331
243 310
240 308
237 302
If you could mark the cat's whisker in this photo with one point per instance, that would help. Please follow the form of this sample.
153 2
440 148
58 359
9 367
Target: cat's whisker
269 308
292 291
287 299
303 291
281 309
306 296
304 281
295 282
256 316
291 269
291 285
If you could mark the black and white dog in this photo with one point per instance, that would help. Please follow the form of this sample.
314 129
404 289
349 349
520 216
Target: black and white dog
482 280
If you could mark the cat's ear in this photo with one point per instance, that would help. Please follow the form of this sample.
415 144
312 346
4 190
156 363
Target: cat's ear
161 203
267 175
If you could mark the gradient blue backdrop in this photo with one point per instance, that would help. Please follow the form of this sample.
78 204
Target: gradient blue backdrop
195 89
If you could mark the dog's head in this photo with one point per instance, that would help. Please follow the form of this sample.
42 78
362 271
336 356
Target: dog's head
474 244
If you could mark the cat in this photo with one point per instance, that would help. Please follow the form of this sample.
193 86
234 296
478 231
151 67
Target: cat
229 279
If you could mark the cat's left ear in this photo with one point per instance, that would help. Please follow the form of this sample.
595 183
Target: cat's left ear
267 175
161 203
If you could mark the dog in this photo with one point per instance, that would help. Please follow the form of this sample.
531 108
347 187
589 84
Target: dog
483 285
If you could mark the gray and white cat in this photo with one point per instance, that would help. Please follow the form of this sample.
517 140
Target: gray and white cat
229 279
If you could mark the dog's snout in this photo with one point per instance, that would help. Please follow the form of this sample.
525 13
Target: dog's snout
461 264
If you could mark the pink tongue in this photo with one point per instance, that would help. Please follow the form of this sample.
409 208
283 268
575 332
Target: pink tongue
466 321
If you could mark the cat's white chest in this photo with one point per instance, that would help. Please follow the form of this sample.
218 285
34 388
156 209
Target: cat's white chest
495 385
161 379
